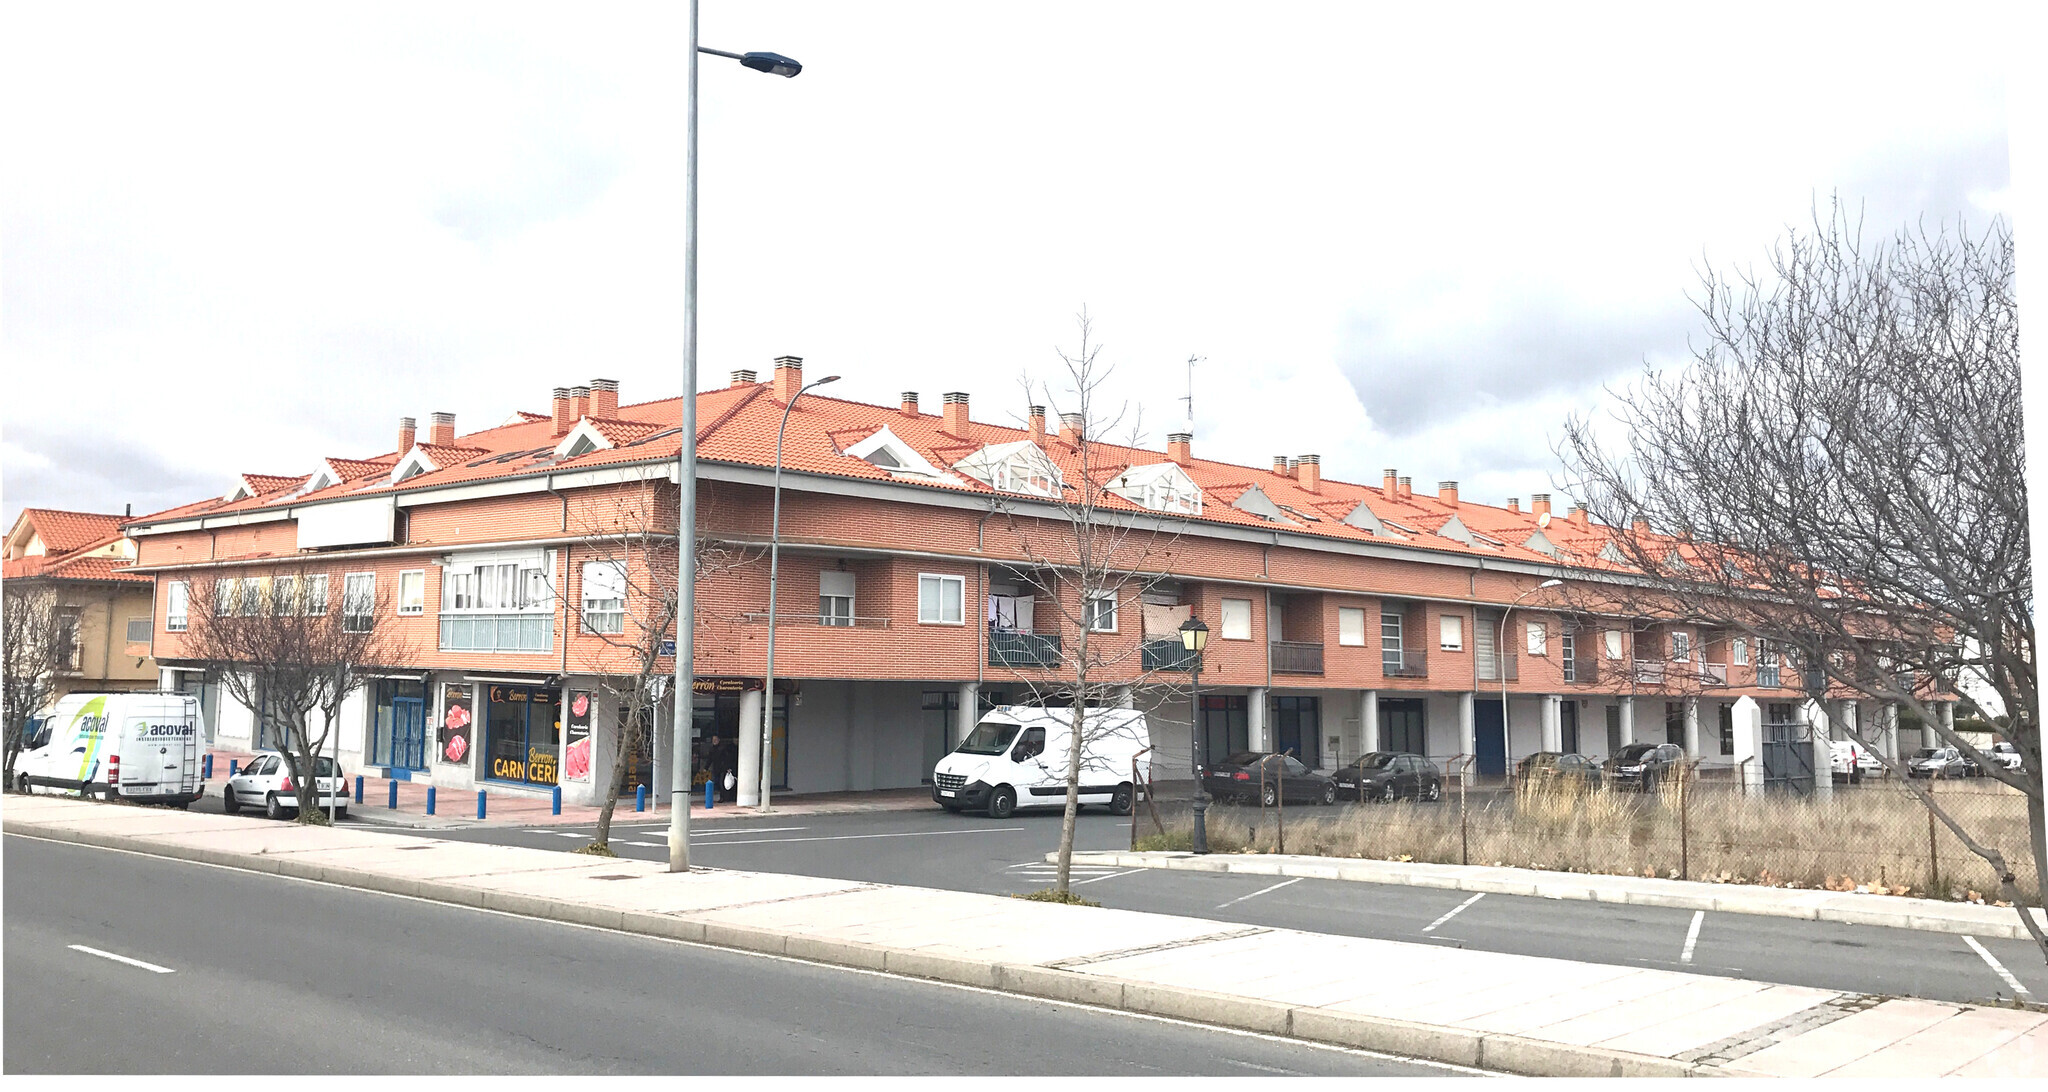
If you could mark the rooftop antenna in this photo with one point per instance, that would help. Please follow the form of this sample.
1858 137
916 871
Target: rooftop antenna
1190 399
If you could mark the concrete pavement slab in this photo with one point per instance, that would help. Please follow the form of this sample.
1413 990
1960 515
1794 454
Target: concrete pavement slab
1837 1044
1691 1030
271 838
2024 1056
1616 1021
1958 1041
1528 1015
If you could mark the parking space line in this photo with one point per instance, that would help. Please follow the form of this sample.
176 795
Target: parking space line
1999 968
1111 876
649 845
1260 891
1692 936
139 963
1454 912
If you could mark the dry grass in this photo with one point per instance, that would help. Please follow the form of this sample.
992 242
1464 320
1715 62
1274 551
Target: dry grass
1054 895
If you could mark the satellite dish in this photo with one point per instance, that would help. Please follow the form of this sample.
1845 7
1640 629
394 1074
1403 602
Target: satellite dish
1543 520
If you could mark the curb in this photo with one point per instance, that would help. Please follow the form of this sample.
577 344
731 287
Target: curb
1889 911
1455 1046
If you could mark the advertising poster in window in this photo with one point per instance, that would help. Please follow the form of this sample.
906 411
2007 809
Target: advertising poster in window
576 749
457 715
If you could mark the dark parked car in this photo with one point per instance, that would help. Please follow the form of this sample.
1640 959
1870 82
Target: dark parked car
1261 776
1388 776
1548 766
1642 765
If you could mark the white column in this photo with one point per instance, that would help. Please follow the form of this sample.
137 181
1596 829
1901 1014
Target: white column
1749 742
1468 741
970 712
1553 724
1823 757
749 772
1121 697
1889 716
1628 720
1255 719
1947 710
1368 721
1850 726
1692 727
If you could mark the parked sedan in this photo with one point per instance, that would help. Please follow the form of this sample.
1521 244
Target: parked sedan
1559 766
266 782
1940 762
1388 776
1642 765
2007 756
1261 776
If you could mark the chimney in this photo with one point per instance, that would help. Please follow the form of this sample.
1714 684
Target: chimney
604 398
1578 514
1038 425
744 377
1539 504
442 430
579 402
956 413
406 429
1640 528
1280 466
1447 492
1309 468
1179 447
1407 486
1073 427
1389 487
563 422
1514 504
789 377
909 403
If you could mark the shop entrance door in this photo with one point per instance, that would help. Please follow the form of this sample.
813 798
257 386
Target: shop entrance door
1297 728
1490 737
408 734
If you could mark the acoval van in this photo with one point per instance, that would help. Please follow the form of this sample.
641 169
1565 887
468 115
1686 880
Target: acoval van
144 747
1017 758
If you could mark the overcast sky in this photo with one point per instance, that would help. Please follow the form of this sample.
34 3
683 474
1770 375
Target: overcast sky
242 237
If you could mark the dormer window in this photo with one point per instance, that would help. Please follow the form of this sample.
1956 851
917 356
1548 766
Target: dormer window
1162 487
1016 467
413 465
885 450
581 440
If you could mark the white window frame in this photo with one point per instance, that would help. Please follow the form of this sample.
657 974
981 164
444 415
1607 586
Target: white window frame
1451 632
1681 646
1536 638
364 619
417 602
128 630
1611 644
1351 626
1097 615
938 615
836 595
315 603
177 606
1738 650
284 590
608 613
1237 628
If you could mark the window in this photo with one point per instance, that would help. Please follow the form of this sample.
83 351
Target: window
835 599
1681 646
1538 639
68 651
138 631
498 602
284 592
1101 613
604 597
939 600
1727 728
1390 641
1740 649
316 594
1451 632
227 591
251 599
177 606
1237 619
358 602
1351 626
1567 648
1614 644
1766 664
412 591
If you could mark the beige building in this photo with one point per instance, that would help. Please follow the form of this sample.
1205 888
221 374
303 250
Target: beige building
82 558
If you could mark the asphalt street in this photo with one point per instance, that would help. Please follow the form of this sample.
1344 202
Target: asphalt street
973 853
123 963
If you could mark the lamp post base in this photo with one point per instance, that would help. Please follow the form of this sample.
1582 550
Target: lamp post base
1201 838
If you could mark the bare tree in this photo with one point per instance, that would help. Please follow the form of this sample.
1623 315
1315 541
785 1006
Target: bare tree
1092 554
37 642
1839 472
280 645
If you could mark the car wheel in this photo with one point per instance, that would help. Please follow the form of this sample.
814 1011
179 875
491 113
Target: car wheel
227 801
1120 802
1269 796
1329 794
1436 791
271 808
1388 794
1002 802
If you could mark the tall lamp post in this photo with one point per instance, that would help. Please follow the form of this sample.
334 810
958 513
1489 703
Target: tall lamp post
686 456
766 762
1194 637
1500 661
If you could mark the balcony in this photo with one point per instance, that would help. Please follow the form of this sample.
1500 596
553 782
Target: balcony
813 618
1167 655
1407 663
1008 648
524 632
1496 668
1649 672
1582 670
1714 674
1297 658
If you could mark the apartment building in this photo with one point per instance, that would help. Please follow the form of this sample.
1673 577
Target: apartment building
81 560
1344 617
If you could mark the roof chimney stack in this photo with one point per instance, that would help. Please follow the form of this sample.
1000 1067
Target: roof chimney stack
1389 484
1038 425
955 412
1514 504
1309 468
563 422
1539 504
579 402
604 398
442 430
1447 492
744 377
1180 447
789 377
1578 514
1073 427
406 431
909 403
1280 466
1407 486
1640 528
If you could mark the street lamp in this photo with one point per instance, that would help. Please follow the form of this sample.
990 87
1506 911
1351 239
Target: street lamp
1500 661
766 763
1194 637
686 455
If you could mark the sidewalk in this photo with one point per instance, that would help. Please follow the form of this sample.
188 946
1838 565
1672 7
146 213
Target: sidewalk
1518 1014
1898 912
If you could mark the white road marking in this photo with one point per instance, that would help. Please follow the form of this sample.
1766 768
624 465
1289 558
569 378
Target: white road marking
568 834
649 845
1692 936
1455 911
1260 891
1111 876
1997 967
146 966
857 837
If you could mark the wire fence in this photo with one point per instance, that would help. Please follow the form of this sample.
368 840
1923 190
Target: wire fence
1876 836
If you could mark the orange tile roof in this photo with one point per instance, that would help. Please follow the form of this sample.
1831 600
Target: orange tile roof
263 484
75 566
62 532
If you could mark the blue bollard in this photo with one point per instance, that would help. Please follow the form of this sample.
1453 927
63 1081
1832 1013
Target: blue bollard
206 769
393 805
359 788
709 789
480 803
557 795
430 797
640 798
234 764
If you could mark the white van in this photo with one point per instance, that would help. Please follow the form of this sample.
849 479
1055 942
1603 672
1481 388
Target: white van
1017 758
144 747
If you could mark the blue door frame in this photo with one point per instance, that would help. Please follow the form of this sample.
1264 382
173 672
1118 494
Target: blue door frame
408 736
1489 736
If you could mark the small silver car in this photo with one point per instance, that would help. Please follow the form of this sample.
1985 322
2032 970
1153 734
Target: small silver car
267 783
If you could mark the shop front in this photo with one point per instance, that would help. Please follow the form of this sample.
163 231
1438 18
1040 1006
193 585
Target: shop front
522 733
715 725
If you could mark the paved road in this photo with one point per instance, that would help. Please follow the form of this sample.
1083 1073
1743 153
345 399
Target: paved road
264 974
973 853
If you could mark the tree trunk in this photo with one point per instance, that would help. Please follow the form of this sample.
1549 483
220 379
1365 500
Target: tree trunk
628 743
1080 711
305 752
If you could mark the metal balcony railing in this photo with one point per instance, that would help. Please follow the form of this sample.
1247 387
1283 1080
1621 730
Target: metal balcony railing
1582 671
1167 654
1498 667
1297 658
1407 663
1008 648
1649 672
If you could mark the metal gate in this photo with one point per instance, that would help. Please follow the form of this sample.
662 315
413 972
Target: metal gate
1788 756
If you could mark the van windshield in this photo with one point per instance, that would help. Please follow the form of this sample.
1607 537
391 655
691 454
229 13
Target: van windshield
990 737
36 733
